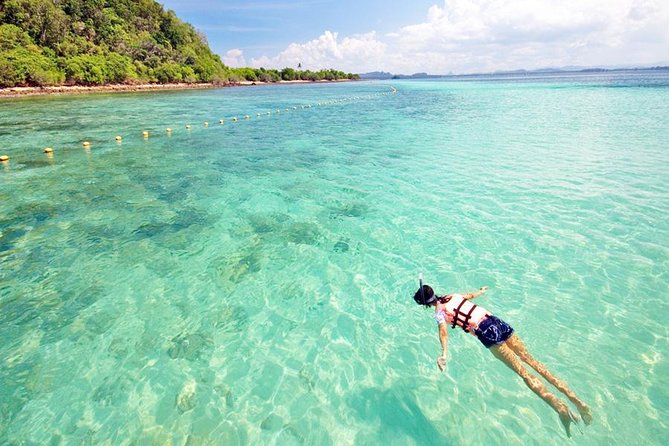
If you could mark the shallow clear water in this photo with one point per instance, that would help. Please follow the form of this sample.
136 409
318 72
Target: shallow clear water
251 283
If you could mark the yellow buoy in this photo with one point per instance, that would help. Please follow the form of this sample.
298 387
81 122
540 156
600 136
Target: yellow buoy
206 124
86 144
145 134
48 150
118 138
247 117
258 114
222 121
168 130
4 158
234 119
188 126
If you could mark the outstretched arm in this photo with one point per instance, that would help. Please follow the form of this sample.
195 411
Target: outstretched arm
443 338
475 294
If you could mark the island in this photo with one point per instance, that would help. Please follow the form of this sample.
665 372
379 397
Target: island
85 45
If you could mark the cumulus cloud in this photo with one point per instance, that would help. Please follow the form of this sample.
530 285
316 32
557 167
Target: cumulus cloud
507 34
488 35
234 58
328 51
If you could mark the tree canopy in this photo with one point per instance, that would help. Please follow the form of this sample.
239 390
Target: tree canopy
97 42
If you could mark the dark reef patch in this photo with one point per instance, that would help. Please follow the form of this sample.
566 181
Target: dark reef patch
189 346
304 233
353 210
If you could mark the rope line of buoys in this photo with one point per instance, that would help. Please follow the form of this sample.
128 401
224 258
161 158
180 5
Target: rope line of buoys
49 151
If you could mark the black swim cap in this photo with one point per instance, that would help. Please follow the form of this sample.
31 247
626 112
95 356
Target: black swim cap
425 296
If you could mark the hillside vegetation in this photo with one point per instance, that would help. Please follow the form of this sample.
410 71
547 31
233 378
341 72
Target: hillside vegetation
96 42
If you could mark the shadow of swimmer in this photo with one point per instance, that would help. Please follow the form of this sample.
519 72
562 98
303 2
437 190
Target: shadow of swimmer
398 415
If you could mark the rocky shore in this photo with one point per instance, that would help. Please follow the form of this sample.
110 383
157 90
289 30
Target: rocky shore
78 89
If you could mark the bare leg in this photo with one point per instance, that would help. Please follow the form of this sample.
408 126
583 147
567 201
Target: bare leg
504 353
519 349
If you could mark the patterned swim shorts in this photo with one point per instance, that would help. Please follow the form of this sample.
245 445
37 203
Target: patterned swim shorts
493 331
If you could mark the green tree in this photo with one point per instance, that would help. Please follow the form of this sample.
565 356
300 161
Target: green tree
24 63
288 74
169 72
44 22
93 42
85 69
119 69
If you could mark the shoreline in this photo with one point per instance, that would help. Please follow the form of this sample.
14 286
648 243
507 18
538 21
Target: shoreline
17 92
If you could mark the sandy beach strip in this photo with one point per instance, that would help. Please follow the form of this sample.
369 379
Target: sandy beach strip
128 88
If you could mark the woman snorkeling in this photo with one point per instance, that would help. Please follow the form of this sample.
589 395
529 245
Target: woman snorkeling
499 338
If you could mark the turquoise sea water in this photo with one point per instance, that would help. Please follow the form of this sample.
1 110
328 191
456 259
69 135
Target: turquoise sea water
251 283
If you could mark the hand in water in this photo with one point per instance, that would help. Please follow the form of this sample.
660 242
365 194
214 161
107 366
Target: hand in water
441 363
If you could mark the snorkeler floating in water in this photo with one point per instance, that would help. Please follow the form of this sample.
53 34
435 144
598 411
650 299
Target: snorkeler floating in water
498 336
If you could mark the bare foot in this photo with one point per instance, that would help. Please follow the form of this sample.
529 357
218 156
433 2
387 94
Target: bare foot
586 415
567 418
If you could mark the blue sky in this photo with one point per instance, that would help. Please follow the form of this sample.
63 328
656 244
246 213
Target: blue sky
435 36
262 27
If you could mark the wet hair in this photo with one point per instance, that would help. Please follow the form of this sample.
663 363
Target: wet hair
426 297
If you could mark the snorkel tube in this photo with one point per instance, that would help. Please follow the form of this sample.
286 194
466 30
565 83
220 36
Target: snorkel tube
422 293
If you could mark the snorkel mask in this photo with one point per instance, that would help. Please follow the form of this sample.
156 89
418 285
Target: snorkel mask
420 297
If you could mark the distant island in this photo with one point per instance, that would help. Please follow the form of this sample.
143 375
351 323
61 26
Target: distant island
383 75
91 43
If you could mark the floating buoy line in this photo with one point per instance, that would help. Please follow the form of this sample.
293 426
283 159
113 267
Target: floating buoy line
87 145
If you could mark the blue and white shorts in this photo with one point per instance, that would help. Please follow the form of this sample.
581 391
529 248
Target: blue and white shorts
493 331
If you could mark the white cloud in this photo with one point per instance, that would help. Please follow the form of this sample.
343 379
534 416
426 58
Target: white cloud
328 51
488 35
234 58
